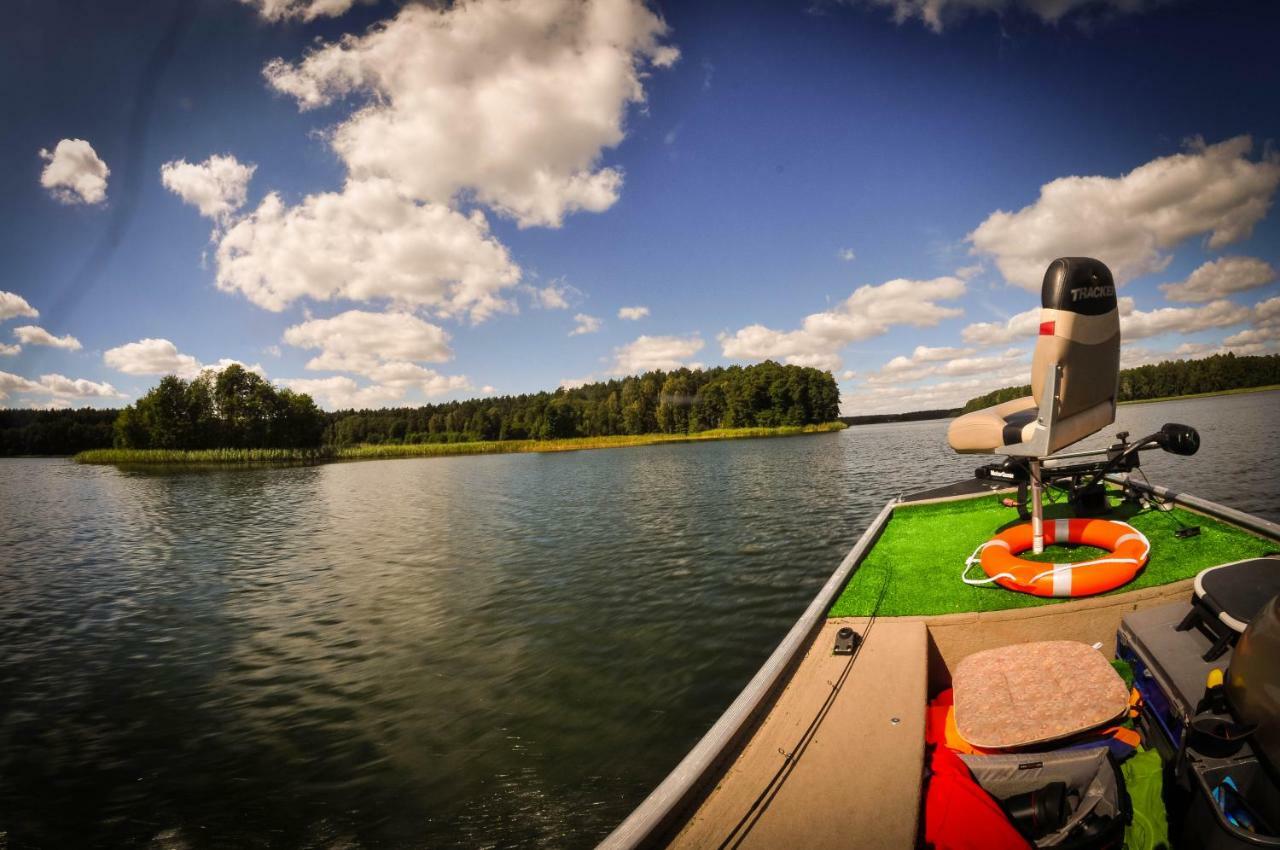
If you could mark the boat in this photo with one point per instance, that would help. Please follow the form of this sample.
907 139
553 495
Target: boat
826 745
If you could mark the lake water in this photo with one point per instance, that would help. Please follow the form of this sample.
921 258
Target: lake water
475 651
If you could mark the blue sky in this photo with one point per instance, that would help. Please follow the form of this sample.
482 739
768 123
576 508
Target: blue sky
430 208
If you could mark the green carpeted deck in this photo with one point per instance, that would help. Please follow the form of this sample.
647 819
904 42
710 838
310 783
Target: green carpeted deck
924 547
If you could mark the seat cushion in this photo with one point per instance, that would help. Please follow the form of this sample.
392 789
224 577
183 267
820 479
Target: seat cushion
1236 592
993 428
1030 693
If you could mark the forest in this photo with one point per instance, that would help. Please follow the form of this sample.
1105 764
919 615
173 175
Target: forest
1171 378
238 409
684 401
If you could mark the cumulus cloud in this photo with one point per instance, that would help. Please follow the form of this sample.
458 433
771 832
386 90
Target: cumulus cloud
1264 335
936 13
585 325
74 173
341 392
305 10
1219 278
151 357
161 357
847 255
574 383
359 341
216 187
633 314
511 103
7 350
13 305
647 353
869 311
368 242
55 388
927 362
1130 222
1216 314
387 348
553 296
33 335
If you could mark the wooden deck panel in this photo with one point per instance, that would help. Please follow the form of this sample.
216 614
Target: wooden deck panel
854 778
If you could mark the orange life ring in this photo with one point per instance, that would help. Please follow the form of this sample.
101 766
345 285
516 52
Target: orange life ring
999 558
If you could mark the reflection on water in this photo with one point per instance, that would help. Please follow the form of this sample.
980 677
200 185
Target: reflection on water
475 651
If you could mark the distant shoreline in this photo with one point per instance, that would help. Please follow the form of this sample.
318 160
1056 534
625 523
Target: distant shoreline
922 415
238 457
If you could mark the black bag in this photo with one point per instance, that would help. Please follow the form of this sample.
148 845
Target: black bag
1085 783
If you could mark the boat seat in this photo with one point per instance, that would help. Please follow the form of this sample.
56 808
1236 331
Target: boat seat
1227 597
1074 371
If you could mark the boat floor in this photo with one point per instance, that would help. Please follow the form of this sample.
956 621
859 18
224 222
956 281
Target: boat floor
838 760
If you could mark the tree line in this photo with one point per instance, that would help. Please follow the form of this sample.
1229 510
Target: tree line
682 401
236 408
1171 378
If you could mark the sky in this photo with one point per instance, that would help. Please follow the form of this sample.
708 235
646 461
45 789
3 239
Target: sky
388 203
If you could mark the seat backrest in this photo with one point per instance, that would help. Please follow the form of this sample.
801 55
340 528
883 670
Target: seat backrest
1079 330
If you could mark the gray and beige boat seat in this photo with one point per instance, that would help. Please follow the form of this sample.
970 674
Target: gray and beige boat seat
1227 597
1074 374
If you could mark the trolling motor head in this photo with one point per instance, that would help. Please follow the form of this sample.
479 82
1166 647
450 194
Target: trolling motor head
1177 439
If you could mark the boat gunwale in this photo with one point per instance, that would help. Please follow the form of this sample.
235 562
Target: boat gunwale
656 816
683 785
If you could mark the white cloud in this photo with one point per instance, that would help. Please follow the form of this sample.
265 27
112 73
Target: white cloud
367 242
1219 278
585 325
7 350
574 383
647 353
341 392
306 10
553 296
935 14
1130 222
386 348
161 357
32 335
11 383
926 362
488 390
1264 335
59 388
869 311
13 305
847 255
511 103
633 314
74 173
151 357
216 187
359 341
1147 323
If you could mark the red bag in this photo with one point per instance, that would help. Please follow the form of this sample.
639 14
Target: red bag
959 815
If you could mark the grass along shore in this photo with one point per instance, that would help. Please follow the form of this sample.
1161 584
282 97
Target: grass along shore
374 452
1236 391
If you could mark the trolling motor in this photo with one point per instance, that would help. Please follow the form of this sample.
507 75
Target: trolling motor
1081 475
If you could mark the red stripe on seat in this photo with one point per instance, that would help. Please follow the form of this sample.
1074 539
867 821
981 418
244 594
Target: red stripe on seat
1046 328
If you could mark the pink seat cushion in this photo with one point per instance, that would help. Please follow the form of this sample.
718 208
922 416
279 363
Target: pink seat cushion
1030 693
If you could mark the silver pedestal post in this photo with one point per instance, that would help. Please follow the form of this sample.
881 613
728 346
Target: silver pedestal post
1037 510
